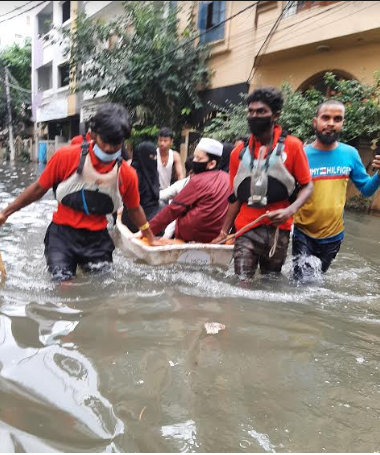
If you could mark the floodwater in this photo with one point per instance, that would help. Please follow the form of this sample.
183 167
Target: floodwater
122 361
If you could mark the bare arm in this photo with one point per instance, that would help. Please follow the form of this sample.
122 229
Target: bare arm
33 193
233 210
178 166
279 217
138 217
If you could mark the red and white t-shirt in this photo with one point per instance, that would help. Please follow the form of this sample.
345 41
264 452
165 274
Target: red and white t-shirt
64 163
295 161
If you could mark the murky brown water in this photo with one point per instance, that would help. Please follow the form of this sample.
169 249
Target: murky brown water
122 362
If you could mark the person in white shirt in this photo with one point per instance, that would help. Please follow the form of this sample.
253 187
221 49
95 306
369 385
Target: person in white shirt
168 194
167 159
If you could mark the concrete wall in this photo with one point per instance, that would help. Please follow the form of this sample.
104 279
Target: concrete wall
319 24
226 55
350 29
360 61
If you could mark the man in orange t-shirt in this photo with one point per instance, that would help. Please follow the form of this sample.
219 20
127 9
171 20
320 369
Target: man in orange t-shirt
90 181
252 248
77 140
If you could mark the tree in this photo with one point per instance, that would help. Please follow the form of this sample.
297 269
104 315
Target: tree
230 122
17 59
142 60
362 117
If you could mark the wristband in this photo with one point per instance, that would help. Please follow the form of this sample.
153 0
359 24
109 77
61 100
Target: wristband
144 227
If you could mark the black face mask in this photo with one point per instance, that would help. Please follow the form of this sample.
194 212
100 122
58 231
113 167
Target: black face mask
199 167
327 139
259 125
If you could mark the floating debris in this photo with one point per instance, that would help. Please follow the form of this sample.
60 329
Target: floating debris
213 328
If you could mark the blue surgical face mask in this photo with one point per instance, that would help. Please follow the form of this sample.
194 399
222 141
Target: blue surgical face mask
106 157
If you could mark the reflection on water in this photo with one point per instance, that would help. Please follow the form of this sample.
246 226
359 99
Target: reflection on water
122 361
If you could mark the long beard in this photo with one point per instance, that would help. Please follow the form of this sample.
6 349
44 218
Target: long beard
327 139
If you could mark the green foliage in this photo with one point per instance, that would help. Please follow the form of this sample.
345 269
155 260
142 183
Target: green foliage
147 133
17 59
24 156
142 68
298 111
362 106
362 118
230 123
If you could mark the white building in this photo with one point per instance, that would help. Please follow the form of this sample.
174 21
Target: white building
15 22
61 114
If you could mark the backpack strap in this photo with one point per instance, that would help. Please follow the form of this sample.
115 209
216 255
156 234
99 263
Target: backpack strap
85 150
280 144
242 151
119 161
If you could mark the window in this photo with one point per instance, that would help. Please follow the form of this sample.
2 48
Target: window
64 75
210 15
65 11
290 8
294 7
44 78
45 20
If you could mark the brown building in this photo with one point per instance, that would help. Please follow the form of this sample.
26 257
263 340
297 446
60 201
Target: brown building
267 42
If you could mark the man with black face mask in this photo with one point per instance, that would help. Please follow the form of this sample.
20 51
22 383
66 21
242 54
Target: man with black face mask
200 208
263 176
319 224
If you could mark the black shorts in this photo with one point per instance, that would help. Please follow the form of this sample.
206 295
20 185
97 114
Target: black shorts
306 246
66 248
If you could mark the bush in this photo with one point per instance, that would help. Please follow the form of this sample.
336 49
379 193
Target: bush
362 117
229 123
141 134
142 59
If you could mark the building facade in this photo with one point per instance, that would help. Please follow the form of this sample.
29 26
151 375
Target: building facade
269 42
58 113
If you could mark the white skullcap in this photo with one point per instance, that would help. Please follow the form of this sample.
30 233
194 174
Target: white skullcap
210 146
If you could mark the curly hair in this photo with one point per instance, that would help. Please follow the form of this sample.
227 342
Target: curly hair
270 96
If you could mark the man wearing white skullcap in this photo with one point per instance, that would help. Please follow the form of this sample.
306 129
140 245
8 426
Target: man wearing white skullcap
200 208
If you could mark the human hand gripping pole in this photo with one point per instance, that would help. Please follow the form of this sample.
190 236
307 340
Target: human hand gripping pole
250 226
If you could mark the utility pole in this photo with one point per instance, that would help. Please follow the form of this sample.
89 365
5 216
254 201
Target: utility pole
10 128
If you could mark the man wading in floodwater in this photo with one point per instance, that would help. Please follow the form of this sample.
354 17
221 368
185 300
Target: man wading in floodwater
90 181
319 224
263 176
